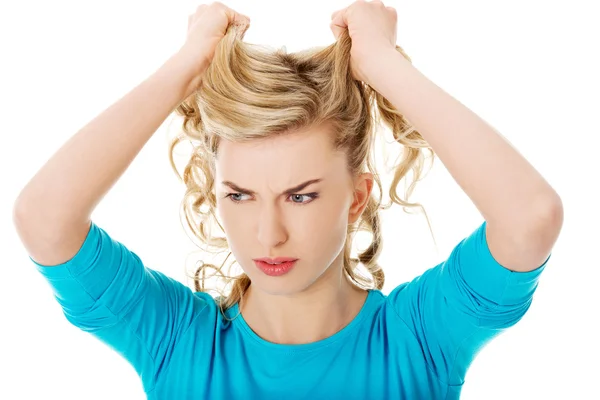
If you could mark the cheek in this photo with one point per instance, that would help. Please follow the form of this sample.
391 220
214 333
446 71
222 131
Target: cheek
325 230
319 227
234 221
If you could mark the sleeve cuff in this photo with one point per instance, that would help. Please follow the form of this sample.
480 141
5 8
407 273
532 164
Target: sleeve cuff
486 276
82 257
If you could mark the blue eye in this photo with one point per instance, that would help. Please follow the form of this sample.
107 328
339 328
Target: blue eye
311 196
235 197
231 195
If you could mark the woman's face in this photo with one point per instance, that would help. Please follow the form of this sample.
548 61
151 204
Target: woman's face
261 219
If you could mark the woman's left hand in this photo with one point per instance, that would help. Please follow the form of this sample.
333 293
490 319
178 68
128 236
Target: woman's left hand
372 28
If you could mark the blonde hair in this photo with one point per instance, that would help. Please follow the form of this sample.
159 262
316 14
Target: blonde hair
250 92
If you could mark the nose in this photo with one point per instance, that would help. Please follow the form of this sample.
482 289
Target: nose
271 229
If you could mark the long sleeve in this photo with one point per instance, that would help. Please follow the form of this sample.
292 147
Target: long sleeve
107 291
455 308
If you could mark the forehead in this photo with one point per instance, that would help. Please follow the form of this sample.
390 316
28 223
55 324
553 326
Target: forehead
285 159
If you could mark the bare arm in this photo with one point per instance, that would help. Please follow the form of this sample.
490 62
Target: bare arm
524 213
52 212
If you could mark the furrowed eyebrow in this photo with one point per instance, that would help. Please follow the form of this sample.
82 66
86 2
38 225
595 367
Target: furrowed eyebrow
289 191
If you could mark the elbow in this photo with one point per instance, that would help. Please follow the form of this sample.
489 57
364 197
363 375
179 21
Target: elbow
547 224
18 212
552 214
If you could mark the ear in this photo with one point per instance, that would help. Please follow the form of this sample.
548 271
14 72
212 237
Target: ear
363 184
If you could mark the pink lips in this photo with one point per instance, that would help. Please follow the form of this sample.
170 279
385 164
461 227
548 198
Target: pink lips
285 265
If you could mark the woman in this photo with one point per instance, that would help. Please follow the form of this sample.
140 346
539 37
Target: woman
283 157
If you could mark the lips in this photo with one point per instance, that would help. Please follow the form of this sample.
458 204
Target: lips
275 269
275 260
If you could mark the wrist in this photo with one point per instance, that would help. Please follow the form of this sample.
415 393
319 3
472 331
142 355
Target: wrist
384 64
190 72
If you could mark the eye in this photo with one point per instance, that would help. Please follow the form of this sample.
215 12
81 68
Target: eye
235 197
310 196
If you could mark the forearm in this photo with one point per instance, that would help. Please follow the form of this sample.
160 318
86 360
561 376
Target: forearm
80 173
502 184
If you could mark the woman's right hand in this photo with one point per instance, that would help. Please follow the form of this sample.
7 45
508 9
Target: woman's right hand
206 27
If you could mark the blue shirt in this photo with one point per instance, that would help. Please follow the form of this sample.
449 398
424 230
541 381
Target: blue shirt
417 342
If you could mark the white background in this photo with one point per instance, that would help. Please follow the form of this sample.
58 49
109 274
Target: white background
529 68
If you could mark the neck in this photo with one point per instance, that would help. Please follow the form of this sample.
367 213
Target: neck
314 314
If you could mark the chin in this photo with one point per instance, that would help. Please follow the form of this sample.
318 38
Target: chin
285 285
278 286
